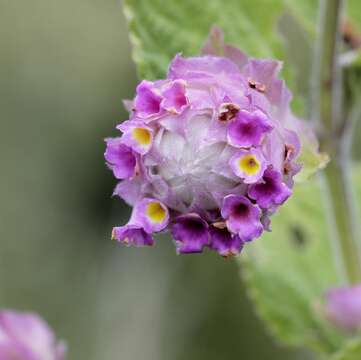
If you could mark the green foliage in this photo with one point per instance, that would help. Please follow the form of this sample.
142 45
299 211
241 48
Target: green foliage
311 159
351 352
298 48
288 270
159 30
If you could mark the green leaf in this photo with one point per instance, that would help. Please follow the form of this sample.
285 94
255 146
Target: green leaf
161 29
298 49
288 270
311 159
352 351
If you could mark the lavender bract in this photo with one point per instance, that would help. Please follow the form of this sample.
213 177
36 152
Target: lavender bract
207 153
26 336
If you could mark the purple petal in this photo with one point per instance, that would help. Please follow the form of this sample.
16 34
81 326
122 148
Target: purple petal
137 136
215 46
200 67
343 307
248 129
147 101
190 233
292 149
242 217
120 158
215 42
174 97
262 71
293 145
132 235
225 243
209 80
130 190
273 148
28 337
151 214
264 86
270 191
128 105
280 96
249 165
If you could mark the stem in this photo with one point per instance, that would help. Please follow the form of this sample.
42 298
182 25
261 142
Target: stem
342 214
327 112
327 73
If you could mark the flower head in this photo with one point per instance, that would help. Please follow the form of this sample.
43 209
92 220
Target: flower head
26 336
208 153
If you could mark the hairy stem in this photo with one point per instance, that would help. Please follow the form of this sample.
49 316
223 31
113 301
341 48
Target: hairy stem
328 113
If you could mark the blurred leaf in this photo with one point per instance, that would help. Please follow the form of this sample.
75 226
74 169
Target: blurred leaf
288 270
307 11
351 352
298 50
311 159
159 30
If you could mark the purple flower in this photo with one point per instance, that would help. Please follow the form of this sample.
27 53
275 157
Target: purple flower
343 307
190 233
224 242
175 99
208 153
151 214
270 191
137 136
249 165
242 217
248 129
26 336
148 216
120 158
148 99
132 235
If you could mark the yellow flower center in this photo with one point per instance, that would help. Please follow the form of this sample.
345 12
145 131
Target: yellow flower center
142 136
156 212
249 164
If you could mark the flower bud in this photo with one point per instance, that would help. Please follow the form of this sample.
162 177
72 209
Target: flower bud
343 307
26 336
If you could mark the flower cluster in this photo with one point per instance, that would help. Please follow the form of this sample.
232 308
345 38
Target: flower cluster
26 336
208 153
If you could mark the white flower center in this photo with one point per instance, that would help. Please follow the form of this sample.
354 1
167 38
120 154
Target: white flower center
189 162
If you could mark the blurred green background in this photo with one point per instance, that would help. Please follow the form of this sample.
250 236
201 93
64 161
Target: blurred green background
64 68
